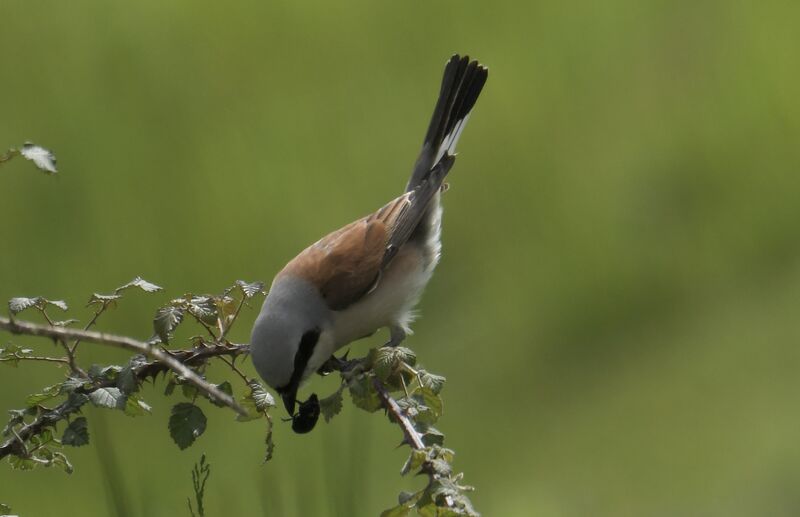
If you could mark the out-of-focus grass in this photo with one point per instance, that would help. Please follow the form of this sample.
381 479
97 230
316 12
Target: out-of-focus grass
616 305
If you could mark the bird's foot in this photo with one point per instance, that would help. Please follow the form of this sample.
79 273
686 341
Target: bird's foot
396 336
337 364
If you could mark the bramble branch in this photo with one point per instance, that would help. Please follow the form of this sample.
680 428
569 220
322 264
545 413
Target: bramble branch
63 334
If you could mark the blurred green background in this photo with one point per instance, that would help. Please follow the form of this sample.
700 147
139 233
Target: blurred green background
617 305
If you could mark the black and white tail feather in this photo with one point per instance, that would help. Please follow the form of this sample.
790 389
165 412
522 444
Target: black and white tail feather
462 82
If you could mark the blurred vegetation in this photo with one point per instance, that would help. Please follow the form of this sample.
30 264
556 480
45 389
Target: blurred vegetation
616 305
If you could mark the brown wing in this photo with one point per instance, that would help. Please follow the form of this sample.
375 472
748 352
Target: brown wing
346 263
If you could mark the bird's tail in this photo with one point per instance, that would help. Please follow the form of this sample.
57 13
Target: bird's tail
461 84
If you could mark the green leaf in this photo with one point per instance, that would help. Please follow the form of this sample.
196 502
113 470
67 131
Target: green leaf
111 398
141 283
75 401
170 387
331 406
384 363
364 394
4 509
432 381
41 157
12 354
430 435
204 308
20 463
400 510
48 393
224 387
127 381
166 321
77 433
186 423
427 397
135 406
414 461
406 355
250 289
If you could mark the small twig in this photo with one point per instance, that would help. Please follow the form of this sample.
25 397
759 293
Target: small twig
225 330
92 321
63 342
16 357
235 369
61 333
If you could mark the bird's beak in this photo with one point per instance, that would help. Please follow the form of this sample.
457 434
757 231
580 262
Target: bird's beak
289 400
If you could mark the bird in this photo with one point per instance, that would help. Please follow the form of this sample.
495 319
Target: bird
369 274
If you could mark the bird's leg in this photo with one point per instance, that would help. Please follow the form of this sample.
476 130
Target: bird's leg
396 336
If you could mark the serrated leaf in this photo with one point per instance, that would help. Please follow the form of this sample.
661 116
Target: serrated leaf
385 363
250 289
48 393
428 398
111 398
364 394
12 354
135 406
61 304
432 381
98 298
166 321
430 435
20 463
141 283
186 423
41 157
414 461
19 304
224 387
127 382
77 433
75 401
170 387
204 308
331 406
406 355
262 397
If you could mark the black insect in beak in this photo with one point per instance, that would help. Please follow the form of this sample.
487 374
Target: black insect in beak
307 415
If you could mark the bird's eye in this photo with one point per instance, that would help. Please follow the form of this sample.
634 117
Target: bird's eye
307 415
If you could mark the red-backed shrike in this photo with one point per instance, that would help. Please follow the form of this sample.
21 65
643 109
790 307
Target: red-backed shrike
370 273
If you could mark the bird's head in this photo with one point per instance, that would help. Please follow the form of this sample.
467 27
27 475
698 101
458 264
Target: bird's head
286 334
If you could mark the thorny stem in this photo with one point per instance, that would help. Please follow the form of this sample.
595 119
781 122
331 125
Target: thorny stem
63 342
412 436
234 368
62 334
92 321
